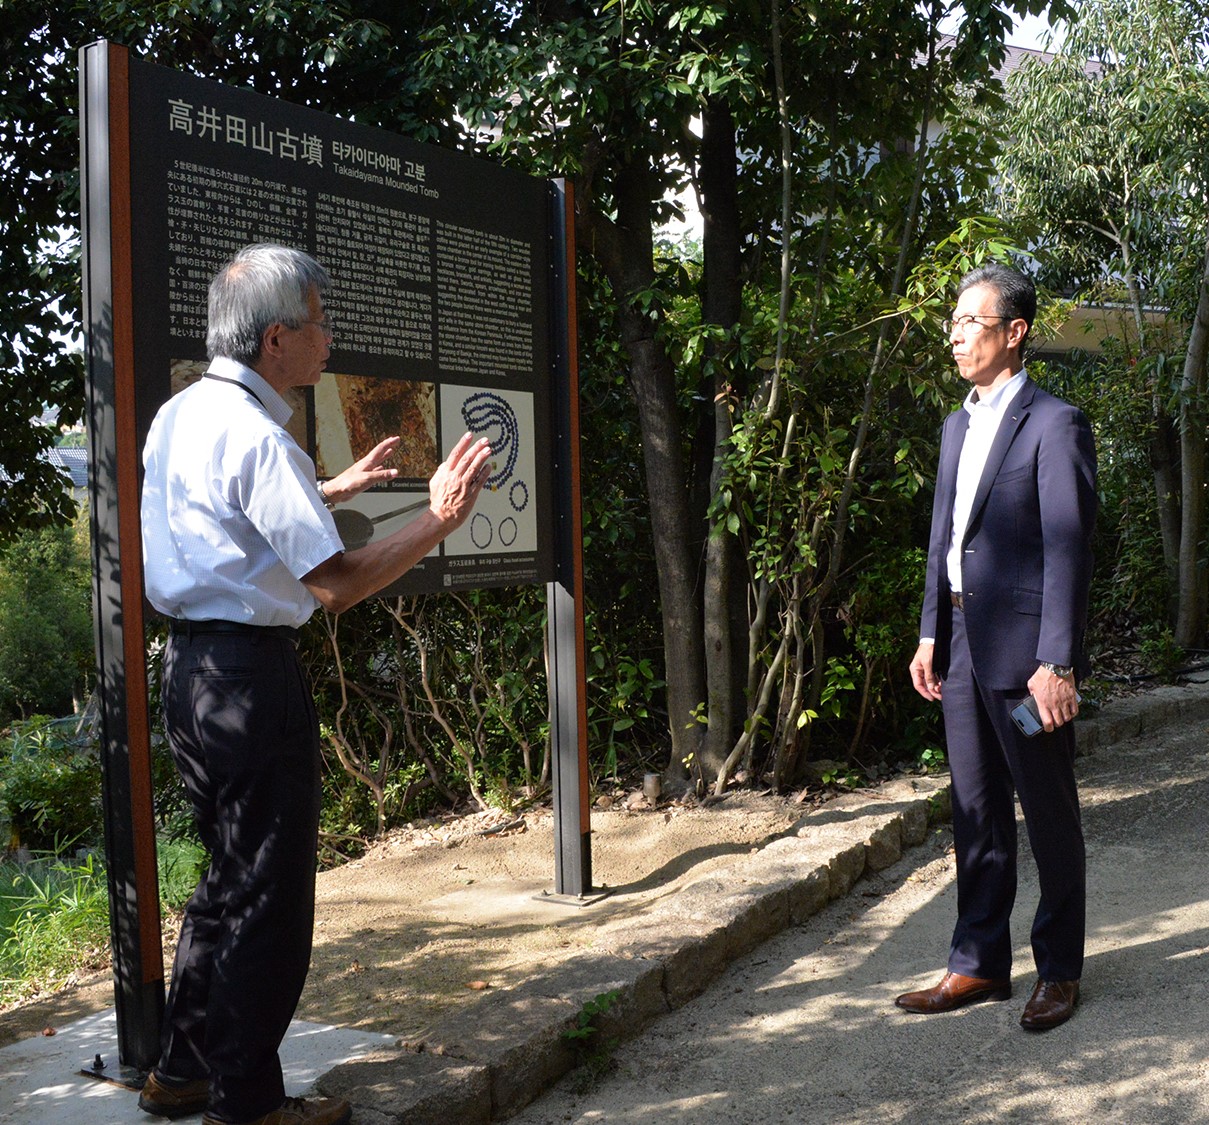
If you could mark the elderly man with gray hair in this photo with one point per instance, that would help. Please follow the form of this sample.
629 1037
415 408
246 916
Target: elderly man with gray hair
239 549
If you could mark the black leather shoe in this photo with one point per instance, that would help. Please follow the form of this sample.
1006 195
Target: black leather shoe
173 1097
1052 1003
954 991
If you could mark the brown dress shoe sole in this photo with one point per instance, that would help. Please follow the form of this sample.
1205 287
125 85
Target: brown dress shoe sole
172 1100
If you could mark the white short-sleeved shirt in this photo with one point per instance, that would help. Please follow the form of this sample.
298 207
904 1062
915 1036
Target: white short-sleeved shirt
231 516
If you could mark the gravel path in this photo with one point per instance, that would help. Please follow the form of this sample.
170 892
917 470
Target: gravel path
804 1029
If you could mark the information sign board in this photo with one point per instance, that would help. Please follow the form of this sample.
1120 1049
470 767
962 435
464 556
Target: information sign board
453 310
439 303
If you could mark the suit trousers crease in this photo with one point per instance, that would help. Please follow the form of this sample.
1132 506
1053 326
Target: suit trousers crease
244 735
990 763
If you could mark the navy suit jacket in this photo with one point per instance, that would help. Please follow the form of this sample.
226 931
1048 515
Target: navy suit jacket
1026 557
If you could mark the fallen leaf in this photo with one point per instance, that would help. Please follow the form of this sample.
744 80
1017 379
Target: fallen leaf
477 985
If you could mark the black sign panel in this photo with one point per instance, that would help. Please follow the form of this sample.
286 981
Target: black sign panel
440 301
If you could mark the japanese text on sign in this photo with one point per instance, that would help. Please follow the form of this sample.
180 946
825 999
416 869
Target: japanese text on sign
207 123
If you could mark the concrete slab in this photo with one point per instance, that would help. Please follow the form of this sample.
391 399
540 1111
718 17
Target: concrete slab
41 1082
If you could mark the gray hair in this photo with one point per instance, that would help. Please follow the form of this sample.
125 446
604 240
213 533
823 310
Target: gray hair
1016 297
261 285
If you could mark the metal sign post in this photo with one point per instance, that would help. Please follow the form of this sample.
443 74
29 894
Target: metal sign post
567 673
134 916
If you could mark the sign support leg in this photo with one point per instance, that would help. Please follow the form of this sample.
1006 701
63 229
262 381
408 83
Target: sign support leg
564 597
134 915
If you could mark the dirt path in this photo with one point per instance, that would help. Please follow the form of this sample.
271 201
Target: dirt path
437 912
805 1028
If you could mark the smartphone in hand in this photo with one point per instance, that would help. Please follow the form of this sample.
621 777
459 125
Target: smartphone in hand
1025 716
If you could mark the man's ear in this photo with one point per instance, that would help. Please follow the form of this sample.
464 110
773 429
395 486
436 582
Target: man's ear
1017 330
270 339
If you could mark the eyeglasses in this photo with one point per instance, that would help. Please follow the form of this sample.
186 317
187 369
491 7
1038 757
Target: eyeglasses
324 324
970 322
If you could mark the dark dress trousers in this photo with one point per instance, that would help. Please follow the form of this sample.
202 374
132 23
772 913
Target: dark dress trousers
245 736
1026 571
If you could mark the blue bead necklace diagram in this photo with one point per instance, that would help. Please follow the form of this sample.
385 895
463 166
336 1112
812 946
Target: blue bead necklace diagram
491 415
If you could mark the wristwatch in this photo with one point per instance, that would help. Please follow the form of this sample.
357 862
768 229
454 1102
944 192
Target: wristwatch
328 502
1064 671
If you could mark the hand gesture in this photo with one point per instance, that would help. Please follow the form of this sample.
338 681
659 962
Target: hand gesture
459 479
360 475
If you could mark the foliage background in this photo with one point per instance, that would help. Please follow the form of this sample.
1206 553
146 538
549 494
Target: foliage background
760 402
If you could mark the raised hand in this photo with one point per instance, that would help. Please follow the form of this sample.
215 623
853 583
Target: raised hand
459 479
361 474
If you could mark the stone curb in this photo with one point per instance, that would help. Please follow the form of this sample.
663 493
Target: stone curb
487 1061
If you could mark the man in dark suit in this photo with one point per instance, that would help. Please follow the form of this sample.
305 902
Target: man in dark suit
1005 609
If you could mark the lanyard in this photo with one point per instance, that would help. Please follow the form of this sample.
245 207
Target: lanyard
235 383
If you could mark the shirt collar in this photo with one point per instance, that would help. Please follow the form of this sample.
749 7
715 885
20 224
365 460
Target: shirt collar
276 406
999 398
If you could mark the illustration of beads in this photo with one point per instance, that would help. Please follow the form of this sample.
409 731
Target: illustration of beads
523 503
507 531
489 414
481 533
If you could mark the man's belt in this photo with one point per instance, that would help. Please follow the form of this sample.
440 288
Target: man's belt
179 628
958 602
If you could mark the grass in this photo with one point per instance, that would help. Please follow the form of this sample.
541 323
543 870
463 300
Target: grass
54 921
54 915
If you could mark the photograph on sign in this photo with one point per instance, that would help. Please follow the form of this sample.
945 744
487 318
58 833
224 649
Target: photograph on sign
354 413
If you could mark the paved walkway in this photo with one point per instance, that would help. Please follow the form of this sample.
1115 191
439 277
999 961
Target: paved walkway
804 1028
42 1082
802 947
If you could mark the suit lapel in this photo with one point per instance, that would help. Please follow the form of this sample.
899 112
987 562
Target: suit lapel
1008 429
952 439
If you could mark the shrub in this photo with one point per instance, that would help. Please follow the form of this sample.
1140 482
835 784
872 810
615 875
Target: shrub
46 643
50 785
54 913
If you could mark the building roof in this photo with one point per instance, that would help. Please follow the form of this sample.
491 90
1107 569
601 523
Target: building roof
73 461
1016 57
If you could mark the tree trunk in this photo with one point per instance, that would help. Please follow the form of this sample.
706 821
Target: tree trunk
1190 619
625 250
724 613
761 680
1164 468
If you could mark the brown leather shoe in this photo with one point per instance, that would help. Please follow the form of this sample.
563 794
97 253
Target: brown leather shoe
1052 1003
173 1097
954 991
298 1111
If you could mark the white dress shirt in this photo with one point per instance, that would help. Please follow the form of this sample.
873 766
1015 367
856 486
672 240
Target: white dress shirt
231 516
986 413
